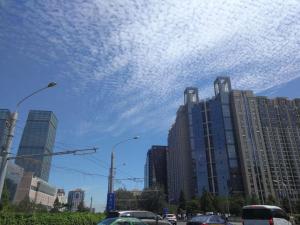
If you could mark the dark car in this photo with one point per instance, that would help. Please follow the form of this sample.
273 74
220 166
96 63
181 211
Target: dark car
207 219
147 217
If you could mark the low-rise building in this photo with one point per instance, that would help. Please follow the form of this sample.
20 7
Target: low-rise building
36 189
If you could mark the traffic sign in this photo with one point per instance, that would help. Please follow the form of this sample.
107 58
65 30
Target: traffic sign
111 202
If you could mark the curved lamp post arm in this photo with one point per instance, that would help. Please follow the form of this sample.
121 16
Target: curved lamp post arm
52 84
136 137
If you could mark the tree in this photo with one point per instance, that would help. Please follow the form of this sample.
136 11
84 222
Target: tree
125 200
271 200
152 199
56 206
297 206
182 201
206 202
285 204
221 204
235 204
252 200
82 208
5 204
193 206
25 206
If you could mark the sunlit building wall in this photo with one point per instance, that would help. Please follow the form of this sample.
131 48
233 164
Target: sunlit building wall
280 121
252 151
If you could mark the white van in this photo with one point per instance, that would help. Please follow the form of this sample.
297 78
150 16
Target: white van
264 215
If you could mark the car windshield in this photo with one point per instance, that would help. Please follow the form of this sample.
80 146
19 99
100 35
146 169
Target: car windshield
140 215
257 214
107 221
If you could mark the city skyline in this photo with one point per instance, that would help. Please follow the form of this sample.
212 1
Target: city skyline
121 70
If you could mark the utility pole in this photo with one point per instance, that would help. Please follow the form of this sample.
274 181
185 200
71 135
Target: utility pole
111 173
11 124
110 204
91 205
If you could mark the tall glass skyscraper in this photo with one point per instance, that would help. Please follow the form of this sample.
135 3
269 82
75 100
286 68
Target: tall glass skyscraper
38 138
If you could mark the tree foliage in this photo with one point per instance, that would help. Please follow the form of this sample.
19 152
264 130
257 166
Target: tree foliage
182 202
50 218
271 200
207 202
125 200
152 199
235 205
193 206
82 208
221 204
5 204
56 206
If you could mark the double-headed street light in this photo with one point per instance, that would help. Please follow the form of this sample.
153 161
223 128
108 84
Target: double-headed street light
110 195
11 124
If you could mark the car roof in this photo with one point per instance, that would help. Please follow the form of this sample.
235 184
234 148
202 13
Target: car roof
129 211
261 207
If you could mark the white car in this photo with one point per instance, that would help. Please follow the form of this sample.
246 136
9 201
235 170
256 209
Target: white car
171 218
264 215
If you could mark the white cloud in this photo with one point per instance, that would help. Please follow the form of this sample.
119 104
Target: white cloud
142 54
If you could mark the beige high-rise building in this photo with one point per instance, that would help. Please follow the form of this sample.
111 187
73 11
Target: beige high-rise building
251 146
280 119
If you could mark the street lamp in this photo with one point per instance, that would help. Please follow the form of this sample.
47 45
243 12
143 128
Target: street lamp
287 193
110 195
11 129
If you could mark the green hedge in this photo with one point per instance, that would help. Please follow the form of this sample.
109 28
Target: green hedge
50 219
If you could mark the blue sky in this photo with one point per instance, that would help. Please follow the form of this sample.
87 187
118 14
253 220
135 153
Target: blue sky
122 66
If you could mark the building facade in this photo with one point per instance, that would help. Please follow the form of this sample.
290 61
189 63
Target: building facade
252 149
75 197
38 138
156 167
235 143
280 122
202 149
36 190
180 172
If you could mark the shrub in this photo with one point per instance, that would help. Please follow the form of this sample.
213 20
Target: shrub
50 218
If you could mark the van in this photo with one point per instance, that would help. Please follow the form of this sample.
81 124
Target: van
264 215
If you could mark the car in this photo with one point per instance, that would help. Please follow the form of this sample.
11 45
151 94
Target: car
264 215
171 218
207 219
121 221
147 217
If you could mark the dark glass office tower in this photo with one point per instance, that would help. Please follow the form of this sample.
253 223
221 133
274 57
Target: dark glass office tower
157 167
4 116
38 138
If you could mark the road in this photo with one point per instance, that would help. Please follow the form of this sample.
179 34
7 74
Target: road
184 223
